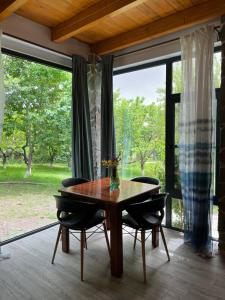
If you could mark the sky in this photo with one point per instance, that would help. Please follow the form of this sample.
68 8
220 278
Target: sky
141 83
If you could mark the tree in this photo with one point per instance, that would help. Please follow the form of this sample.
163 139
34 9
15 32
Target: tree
55 140
32 91
139 129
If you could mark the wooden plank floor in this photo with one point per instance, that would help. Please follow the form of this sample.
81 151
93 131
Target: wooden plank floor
30 275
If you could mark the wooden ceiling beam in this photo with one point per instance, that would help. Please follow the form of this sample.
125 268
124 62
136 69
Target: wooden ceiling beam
88 17
8 7
181 20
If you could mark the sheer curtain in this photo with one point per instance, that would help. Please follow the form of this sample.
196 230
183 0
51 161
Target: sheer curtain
2 91
197 136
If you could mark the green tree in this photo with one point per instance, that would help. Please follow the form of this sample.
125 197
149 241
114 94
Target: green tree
139 129
32 91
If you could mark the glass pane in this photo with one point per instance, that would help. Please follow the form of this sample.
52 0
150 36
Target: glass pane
177 84
177 213
177 119
177 184
139 110
217 69
36 144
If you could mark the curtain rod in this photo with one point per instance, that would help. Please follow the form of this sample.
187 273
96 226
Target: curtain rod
216 28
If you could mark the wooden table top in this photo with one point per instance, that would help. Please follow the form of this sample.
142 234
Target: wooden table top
99 191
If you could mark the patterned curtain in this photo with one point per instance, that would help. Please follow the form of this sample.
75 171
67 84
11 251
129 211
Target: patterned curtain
2 91
197 137
94 93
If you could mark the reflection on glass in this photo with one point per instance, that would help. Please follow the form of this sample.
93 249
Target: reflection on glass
139 112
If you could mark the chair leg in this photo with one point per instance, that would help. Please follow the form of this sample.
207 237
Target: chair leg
135 238
82 241
56 243
164 242
85 239
143 253
106 238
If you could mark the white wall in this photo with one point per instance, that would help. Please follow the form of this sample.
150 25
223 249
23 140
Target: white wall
32 32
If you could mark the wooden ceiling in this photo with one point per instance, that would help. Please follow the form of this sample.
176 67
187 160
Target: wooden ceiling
110 25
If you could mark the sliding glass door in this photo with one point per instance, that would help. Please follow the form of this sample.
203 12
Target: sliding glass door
35 152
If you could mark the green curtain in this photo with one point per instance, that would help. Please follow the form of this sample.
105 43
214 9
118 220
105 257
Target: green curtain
81 135
107 119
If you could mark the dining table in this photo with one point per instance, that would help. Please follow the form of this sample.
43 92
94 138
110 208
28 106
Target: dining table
113 202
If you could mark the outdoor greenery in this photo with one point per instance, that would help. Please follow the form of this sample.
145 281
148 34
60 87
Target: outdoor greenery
140 136
37 125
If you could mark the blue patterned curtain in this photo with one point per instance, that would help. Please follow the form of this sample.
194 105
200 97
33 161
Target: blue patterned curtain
197 137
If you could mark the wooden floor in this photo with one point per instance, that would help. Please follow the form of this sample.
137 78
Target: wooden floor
30 275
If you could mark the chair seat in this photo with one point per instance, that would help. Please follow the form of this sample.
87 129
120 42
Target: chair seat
148 221
80 221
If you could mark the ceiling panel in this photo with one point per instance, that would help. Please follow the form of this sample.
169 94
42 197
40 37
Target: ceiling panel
52 13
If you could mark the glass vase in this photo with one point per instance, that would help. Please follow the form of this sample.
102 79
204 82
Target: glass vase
114 179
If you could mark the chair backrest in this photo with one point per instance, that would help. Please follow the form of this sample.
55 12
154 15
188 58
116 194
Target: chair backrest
148 180
154 205
68 205
73 181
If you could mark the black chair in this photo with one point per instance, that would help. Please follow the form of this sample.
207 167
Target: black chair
73 181
147 215
148 180
78 216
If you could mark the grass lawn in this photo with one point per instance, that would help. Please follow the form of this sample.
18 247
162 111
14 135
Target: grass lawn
28 203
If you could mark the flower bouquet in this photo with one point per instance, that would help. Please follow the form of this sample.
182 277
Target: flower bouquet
113 165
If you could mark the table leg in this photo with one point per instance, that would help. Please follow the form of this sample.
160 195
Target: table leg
65 240
155 237
107 218
116 239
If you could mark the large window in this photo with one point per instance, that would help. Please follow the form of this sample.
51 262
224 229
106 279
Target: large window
139 109
147 112
35 151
